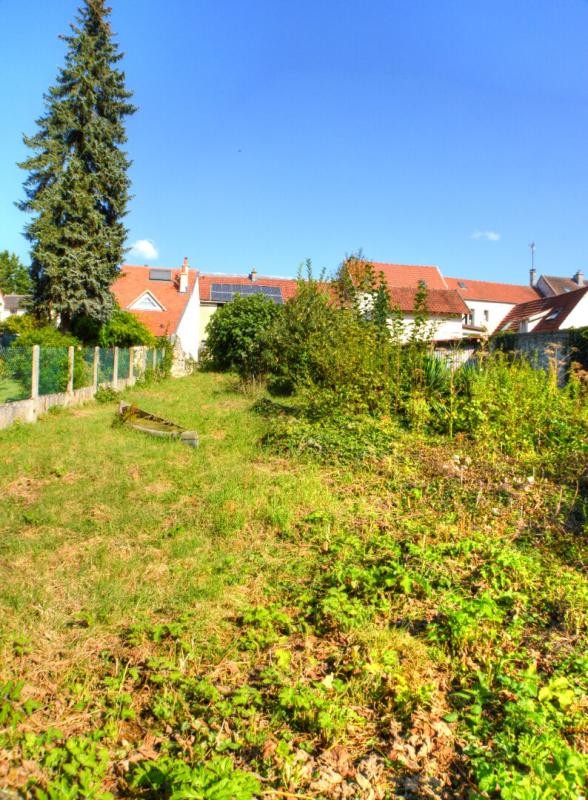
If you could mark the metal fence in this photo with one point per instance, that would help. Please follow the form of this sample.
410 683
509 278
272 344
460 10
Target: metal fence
32 372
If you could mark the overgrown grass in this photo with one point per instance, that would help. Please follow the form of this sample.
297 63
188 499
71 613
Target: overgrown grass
350 611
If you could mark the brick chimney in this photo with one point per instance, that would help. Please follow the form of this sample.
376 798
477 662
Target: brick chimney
579 278
253 275
183 288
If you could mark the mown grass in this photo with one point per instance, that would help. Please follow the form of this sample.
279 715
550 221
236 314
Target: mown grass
345 612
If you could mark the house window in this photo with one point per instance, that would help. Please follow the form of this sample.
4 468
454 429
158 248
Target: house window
147 302
486 315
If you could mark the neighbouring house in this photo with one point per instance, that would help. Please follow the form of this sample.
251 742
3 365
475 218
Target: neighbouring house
178 303
446 309
12 305
488 302
549 314
445 312
166 300
216 290
552 285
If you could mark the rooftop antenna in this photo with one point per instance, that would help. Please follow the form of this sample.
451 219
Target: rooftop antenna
533 271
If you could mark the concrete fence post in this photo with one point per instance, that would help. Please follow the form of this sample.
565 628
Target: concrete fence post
95 367
35 372
131 363
155 358
115 368
70 369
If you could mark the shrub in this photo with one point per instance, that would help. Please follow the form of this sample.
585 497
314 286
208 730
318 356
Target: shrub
45 336
306 320
125 330
238 336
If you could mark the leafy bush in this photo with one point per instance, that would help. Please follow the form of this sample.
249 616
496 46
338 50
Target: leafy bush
238 336
125 330
45 336
106 394
16 325
345 439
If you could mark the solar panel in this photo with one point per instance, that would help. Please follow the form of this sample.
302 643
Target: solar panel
160 275
225 292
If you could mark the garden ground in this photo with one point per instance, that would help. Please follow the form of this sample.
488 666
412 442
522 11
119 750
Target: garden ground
356 612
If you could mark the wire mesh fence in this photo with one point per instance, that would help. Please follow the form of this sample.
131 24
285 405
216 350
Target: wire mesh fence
60 370
53 370
15 373
123 364
83 367
105 365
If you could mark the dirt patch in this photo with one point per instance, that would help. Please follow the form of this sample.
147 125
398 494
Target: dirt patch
25 488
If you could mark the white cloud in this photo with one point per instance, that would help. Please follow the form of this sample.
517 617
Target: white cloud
144 248
490 236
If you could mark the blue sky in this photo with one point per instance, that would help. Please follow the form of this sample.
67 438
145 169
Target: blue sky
449 133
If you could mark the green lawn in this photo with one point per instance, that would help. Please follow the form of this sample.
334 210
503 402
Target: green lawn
106 524
11 390
238 621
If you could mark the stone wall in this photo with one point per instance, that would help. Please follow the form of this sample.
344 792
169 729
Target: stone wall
543 350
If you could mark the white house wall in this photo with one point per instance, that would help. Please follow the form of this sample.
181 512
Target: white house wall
578 317
439 329
189 325
544 288
496 313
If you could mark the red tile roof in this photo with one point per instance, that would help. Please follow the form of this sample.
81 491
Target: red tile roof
287 285
491 292
410 275
439 301
133 281
562 303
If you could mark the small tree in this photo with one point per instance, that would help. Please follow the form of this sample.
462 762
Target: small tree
238 333
78 188
14 276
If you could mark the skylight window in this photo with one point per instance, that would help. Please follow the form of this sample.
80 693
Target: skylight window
554 314
462 285
160 275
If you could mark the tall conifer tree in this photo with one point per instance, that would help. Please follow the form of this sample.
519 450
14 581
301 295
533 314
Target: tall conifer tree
78 188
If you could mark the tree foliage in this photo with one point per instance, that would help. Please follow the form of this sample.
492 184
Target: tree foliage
123 329
77 188
238 335
14 276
